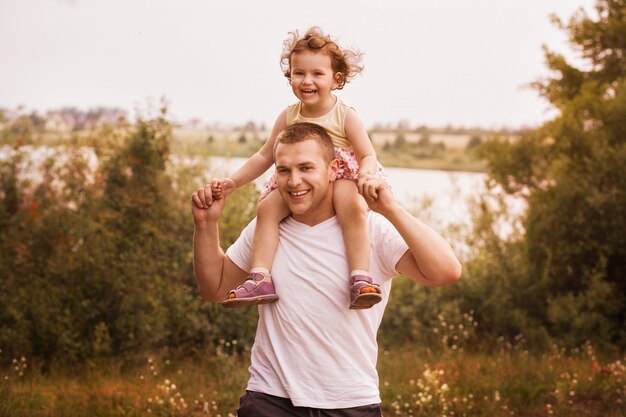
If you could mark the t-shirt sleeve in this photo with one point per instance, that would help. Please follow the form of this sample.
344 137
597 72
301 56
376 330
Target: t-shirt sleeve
388 245
240 252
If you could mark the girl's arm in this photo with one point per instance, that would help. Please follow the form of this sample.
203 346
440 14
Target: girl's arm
255 166
360 141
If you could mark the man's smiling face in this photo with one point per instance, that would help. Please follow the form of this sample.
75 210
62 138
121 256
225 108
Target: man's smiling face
304 181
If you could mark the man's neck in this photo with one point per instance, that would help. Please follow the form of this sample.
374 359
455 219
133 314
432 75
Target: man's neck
313 219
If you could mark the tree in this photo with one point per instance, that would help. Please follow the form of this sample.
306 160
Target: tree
400 141
474 142
425 141
572 171
99 263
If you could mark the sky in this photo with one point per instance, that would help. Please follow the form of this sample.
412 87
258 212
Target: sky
427 62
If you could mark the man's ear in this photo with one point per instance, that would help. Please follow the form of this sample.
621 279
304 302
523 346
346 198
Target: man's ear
333 169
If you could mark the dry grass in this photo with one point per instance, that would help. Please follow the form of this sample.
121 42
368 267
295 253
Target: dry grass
449 381
507 382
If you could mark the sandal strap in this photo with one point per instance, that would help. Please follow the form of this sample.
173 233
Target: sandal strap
361 278
252 282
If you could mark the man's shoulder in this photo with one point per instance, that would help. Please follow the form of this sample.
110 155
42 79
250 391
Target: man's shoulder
382 232
378 220
246 233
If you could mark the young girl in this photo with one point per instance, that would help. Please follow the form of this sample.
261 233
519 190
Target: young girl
315 66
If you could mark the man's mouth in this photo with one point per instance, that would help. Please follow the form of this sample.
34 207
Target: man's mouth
298 193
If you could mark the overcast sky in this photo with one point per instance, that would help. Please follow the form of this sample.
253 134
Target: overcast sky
433 62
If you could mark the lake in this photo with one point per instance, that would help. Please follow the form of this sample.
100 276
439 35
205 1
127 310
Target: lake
440 198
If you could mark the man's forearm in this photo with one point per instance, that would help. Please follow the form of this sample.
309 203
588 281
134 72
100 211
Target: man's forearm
432 253
208 260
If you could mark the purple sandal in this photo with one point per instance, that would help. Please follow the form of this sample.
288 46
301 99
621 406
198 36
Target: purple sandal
359 299
257 289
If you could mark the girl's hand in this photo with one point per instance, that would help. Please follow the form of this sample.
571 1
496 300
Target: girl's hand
222 187
362 179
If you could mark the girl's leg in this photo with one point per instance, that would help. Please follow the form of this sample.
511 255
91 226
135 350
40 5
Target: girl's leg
351 208
272 209
258 287
351 213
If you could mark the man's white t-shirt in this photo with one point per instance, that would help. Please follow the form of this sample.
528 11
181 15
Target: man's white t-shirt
309 346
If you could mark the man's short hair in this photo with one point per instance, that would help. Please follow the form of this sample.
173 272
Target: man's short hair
301 131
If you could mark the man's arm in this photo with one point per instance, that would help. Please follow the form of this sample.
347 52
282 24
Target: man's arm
430 259
215 273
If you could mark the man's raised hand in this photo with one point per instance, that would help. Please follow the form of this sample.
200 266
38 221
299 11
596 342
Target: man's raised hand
204 207
377 193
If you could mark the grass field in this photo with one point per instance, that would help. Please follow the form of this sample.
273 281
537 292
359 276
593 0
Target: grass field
414 382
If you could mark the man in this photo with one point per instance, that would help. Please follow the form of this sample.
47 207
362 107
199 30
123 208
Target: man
312 355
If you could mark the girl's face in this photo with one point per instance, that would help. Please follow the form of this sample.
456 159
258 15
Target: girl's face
312 78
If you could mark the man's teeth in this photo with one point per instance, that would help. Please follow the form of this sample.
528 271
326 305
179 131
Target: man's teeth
297 193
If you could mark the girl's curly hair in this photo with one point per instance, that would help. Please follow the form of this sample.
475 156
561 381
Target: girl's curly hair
346 62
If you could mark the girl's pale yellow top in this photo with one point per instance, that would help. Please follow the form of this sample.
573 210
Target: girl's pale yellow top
333 121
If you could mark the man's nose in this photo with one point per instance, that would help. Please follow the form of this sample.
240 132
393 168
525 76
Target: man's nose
294 179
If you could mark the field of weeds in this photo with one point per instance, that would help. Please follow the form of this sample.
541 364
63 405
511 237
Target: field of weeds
509 381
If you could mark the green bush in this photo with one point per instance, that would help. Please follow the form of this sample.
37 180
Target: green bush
571 172
98 264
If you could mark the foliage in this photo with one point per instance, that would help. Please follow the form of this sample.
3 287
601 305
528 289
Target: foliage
572 173
413 382
96 261
474 142
423 149
496 299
